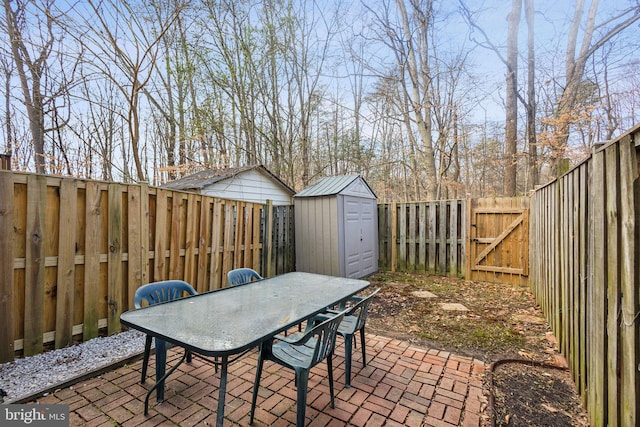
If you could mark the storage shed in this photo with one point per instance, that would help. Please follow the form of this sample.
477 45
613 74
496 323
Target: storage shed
336 226
248 184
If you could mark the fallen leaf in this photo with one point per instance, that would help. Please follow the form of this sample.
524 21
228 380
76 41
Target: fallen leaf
525 354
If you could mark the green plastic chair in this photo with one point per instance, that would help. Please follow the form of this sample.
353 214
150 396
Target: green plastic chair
300 353
155 293
354 320
240 276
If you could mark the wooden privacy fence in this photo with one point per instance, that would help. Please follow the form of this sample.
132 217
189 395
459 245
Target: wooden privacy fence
74 252
481 239
422 236
584 273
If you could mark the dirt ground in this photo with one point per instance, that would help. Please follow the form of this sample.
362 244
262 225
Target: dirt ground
502 323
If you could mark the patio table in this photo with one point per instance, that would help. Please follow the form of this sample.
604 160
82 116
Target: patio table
226 323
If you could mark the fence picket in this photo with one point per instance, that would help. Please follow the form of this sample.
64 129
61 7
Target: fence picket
7 313
612 279
114 260
65 292
94 220
629 194
191 239
34 265
161 229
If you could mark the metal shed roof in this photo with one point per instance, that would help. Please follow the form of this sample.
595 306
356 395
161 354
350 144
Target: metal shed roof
331 185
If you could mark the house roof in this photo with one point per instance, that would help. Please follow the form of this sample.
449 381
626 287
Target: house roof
331 185
205 178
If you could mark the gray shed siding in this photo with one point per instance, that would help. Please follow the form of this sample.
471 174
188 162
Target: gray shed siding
337 234
316 227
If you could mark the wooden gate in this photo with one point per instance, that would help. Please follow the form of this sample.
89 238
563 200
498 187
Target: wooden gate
498 233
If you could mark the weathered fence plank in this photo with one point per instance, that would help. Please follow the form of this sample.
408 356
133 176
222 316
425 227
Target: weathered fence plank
217 235
115 281
134 240
629 197
7 313
612 222
255 248
203 245
583 260
191 240
65 292
94 219
162 228
35 265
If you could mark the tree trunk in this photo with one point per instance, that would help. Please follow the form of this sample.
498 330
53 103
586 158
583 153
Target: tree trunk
531 97
420 105
511 124
30 72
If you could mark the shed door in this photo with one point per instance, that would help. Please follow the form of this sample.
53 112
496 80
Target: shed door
360 237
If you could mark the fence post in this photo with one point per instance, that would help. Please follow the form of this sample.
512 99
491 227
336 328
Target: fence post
468 243
394 236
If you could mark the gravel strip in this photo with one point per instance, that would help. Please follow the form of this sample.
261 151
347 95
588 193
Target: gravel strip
37 374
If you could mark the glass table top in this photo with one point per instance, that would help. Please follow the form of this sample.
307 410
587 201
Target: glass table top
230 320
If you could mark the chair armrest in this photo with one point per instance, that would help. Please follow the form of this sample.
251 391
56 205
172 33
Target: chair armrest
319 318
291 340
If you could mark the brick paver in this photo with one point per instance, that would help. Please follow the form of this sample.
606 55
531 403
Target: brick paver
402 384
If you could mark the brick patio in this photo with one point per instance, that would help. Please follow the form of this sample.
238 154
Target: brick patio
402 385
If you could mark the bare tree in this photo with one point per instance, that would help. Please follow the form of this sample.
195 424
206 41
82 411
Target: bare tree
124 51
511 87
408 40
7 71
594 36
42 86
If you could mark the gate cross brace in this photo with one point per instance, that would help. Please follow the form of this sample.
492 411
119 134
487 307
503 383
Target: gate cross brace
498 239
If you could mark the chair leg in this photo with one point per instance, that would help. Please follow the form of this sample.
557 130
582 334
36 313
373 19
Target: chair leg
348 350
256 385
364 348
189 356
303 383
145 359
330 370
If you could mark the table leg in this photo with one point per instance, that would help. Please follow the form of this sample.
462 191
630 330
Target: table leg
223 391
160 381
161 363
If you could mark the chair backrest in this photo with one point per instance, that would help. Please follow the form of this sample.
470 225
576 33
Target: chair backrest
361 309
240 276
157 292
325 334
